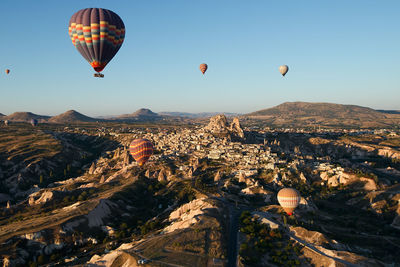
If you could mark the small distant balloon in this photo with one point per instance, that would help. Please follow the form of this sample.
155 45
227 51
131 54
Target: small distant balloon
141 150
283 69
34 122
289 199
6 122
7 71
203 68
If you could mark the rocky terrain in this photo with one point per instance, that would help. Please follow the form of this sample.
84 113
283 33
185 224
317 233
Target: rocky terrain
207 197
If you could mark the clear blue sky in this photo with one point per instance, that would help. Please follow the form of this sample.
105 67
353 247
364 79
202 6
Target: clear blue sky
339 51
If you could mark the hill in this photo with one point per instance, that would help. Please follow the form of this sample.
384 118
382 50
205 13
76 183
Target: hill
25 117
2 115
301 114
141 114
71 116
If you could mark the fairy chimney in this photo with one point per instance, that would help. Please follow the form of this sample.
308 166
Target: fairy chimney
147 173
242 177
217 176
92 168
161 176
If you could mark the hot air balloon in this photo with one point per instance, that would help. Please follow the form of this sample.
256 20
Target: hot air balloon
203 68
283 69
141 150
7 71
34 122
98 35
6 122
289 199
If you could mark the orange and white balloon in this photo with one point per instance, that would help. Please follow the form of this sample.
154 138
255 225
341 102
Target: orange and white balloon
289 199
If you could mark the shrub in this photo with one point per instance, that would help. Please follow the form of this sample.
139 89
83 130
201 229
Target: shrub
40 259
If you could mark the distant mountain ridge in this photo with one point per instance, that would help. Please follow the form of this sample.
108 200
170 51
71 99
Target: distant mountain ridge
307 114
71 116
389 111
197 115
292 114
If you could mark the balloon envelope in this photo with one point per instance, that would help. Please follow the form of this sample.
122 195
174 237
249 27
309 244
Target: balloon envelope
283 69
6 122
97 34
34 122
289 199
141 150
203 68
7 71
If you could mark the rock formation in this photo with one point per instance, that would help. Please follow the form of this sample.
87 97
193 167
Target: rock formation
92 168
236 128
217 176
242 177
190 172
126 158
161 176
117 153
219 126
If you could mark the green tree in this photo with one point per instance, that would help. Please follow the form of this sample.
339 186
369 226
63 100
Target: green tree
53 257
123 226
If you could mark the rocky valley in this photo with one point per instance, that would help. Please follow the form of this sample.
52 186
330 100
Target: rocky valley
73 195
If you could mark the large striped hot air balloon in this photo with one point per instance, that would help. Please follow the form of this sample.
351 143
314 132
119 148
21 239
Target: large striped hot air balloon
141 150
283 69
7 71
289 199
97 34
203 68
34 122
